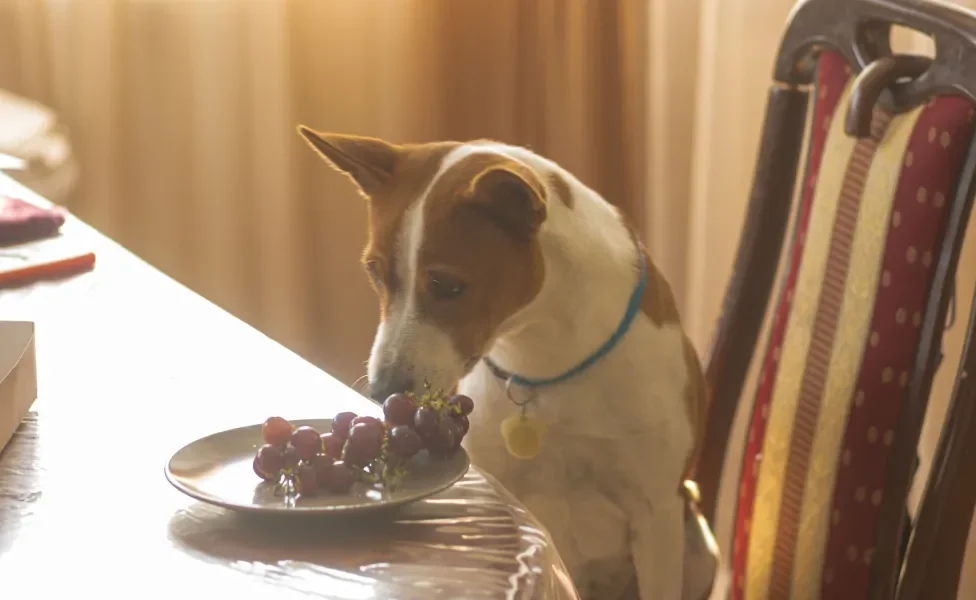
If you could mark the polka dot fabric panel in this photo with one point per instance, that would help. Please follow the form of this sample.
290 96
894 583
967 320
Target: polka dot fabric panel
928 178
842 342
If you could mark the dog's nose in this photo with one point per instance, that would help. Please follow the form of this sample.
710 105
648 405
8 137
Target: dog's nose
388 383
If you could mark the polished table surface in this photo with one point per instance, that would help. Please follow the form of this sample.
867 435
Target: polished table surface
131 366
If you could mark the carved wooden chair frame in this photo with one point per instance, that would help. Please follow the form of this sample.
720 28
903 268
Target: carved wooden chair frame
859 30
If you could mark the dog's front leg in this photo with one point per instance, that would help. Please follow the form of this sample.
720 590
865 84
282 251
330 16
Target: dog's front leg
553 511
657 547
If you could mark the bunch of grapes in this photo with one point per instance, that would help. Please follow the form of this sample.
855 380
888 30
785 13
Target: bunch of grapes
362 448
431 421
298 459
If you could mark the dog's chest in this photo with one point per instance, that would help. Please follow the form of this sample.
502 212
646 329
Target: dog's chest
617 441
623 424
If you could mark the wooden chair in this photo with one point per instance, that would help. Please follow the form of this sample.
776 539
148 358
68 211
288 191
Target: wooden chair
855 333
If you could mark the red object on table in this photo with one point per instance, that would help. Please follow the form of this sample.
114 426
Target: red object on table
22 222
30 247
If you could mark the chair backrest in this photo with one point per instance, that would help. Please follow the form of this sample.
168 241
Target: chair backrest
856 330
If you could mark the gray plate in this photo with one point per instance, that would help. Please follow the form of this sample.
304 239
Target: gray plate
217 469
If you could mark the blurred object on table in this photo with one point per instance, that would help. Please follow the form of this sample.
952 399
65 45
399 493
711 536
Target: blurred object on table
18 375
32 247
22 222
12 163
30 132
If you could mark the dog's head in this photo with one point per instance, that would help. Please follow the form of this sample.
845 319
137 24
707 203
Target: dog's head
452 251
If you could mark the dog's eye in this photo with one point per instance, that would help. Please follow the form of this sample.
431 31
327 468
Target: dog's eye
443 287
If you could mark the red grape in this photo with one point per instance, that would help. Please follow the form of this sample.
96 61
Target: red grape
341 423
371 422
461 403
364 444
443 441
340 478
323 465
331 461
306 440
260 472
291 457
404 442
398 409
306 481
458 438
425 422
332 444
270 458
276 431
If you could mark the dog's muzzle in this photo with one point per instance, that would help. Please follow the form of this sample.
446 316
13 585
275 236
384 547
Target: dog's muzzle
389 382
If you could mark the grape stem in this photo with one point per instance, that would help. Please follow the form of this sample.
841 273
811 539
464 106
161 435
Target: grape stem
285 486
436 400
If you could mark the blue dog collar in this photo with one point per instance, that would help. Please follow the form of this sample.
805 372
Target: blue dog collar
633 307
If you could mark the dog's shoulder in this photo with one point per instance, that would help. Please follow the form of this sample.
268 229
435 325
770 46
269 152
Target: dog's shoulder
663 390
660 307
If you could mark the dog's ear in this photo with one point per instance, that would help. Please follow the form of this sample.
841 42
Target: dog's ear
369 162
512 194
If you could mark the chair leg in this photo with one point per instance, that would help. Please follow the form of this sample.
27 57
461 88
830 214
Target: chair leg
943 568
906 535
933 563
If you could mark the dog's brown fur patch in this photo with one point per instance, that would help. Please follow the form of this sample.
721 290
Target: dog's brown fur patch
475 230
658 302
660 307
416 168
487 242
561 189
391 177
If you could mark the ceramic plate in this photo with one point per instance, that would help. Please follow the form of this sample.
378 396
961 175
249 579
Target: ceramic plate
218 469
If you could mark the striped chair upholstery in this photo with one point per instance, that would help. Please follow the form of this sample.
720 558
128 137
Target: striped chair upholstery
842 343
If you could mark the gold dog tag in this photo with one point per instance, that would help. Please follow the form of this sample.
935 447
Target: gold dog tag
523 435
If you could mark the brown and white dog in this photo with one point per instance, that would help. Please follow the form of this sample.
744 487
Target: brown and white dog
483 250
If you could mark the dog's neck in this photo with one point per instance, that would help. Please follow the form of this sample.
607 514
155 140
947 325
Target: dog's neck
591 271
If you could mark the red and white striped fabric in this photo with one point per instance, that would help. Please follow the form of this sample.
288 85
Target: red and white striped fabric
844 335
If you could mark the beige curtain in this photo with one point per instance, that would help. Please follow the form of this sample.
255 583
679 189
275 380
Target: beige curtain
183 117
182 114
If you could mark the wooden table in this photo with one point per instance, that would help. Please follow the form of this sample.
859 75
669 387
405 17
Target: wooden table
131 366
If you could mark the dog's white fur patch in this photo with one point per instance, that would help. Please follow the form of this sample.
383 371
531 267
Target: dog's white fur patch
606 482
405 339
